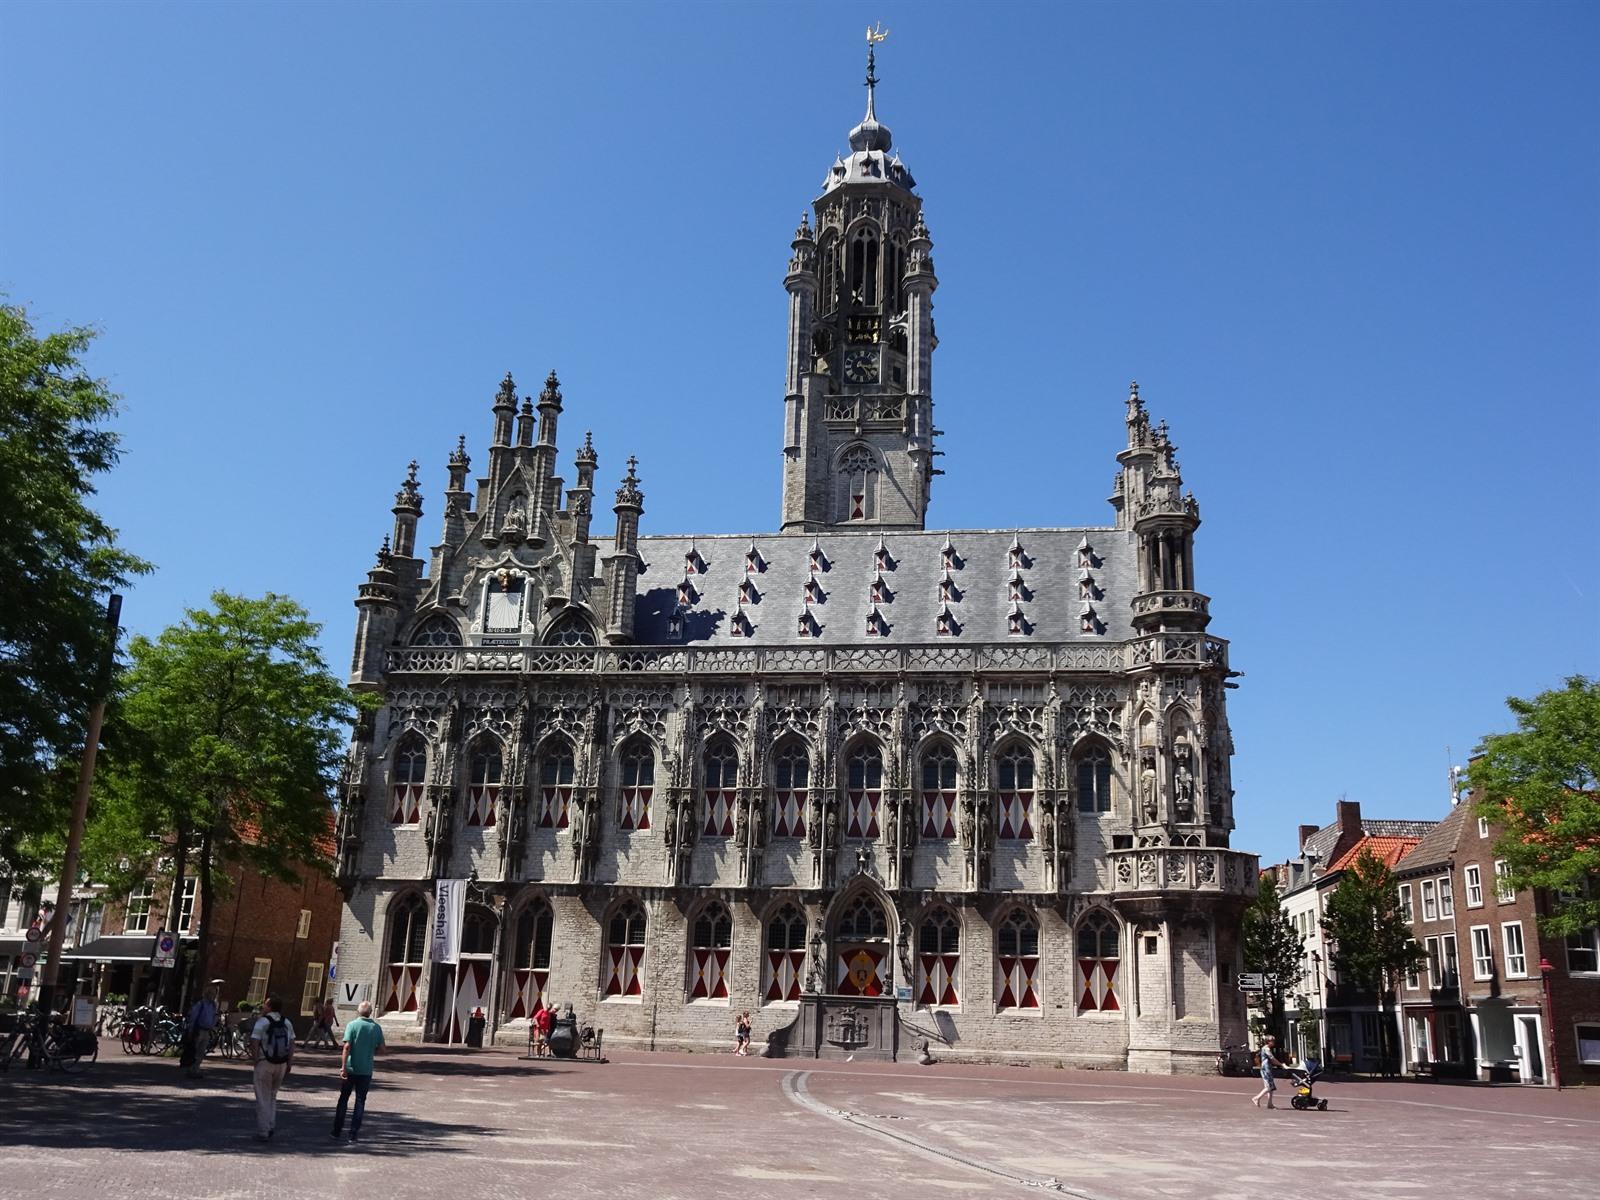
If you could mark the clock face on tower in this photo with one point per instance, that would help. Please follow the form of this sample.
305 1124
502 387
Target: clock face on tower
861 365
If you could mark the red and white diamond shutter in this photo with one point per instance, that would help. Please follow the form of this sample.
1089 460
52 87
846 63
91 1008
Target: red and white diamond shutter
638 782
407 933
472 992
863 792
939 793
791 773
721 776
713 941
1014 772
1099 958
483 783
862 971
407 780
785 956
1017 962
530 975
938 960
625 951
555 787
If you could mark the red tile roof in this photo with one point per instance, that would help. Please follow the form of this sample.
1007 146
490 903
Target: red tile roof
1387 850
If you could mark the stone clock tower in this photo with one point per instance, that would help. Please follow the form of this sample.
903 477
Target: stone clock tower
858 413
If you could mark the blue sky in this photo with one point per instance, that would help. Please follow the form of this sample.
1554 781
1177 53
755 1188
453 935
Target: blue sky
1349 251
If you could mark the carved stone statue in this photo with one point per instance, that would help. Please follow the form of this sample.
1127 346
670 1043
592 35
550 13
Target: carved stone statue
814 963
1183 780
1147 789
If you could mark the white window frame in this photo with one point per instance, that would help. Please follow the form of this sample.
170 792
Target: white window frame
1447 899
1504 893
311 991
1483 827
1591 1056
1512 970
139 902
260 976
1405 902
1450 961
303 928
191 889
1474 878
1430 901
1593 938
1482 952
1435 965
1413 979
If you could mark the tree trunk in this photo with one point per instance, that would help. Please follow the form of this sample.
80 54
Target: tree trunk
171 988
202 953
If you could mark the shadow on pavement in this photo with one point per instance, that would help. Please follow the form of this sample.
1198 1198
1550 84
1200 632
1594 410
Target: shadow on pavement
132 1103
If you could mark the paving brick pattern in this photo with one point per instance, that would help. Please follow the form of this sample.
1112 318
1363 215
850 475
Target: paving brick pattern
452 1123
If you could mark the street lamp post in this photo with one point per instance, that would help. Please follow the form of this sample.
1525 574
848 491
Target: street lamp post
1545 972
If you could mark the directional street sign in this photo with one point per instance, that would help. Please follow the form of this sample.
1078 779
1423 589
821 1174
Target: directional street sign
1252 981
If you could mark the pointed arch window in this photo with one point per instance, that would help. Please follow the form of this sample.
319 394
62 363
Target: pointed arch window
939 793
437 630
894 270
638 785
555 786
1014 780
713 945
863 793
530 963
938 960
785 960
1017 961
1099 956
1094 781
483 783
570 629
864 266
790 775
625 934
858 482
407 780
408 930
862 950
721 794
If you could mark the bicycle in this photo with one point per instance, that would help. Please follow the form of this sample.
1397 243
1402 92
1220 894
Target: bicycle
60 1046
1234 1060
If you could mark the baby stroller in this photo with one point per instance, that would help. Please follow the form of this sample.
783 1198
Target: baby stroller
1305 1080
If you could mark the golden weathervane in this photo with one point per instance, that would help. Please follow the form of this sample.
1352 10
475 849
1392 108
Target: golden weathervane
876 34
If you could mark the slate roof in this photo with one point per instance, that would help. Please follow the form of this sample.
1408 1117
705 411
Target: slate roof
1439 845
1387 850
980 605
1324 839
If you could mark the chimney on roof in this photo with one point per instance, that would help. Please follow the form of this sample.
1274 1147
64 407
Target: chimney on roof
1349 820
1305 834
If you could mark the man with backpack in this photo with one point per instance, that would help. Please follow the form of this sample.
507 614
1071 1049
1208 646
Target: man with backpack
271 1049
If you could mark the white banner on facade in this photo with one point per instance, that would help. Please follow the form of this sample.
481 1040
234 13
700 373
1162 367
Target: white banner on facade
449 906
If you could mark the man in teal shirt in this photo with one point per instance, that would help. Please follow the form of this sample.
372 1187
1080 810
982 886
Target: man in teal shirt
363 1042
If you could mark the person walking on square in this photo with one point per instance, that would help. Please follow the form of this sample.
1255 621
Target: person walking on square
544 1020
741 1034
1268 1062
199 1027
363 1042
272 1051
322 1023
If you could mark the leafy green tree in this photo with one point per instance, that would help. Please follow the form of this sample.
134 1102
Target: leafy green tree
1372 942
1273 947
58 562
1541 786
230 736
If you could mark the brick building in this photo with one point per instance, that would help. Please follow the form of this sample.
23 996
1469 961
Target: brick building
267 936
974 783
1484 935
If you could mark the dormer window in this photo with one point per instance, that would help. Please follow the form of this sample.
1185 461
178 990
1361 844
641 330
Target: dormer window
1014 623
880 591
1088 622
1014 586
675 624
808 625
880 558
947 557
753 562
687 595
1085 586
740 626
947 626
748 593
876 625
818 560
692 562
814 592
1014 554
1085 554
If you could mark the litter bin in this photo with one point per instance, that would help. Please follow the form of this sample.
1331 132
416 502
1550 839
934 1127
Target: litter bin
475 1024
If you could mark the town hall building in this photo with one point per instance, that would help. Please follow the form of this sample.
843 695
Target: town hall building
875 783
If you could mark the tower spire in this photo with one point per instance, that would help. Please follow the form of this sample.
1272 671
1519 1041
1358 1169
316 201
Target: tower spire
874 36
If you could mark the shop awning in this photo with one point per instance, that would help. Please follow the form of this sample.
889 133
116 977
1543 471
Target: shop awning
128 947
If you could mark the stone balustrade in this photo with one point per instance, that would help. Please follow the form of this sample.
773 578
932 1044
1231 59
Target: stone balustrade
1169 869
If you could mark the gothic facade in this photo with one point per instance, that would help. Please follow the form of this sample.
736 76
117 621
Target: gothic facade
979 777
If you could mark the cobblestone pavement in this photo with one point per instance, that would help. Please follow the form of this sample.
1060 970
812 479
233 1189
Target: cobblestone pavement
478 1126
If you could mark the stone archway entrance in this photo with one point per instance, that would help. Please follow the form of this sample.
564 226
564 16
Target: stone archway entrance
461 987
